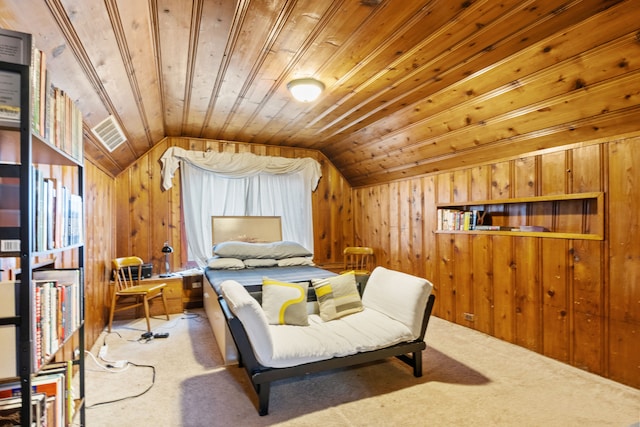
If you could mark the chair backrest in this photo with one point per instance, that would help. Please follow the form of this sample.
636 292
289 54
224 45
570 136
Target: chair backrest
125 273
358 258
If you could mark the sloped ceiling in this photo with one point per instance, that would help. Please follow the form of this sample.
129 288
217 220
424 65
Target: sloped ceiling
411 86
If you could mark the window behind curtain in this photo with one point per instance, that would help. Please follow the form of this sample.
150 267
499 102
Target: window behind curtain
206 194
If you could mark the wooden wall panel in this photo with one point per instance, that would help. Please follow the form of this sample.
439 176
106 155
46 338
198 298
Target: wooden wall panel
503 288
414 235
480 183
527 293
382 226
574 300
428 227
393 224
500 180
463 289
587 306
555 299
623 292
444 278
482 271
445 187
100 249
525 177
553 173
461 185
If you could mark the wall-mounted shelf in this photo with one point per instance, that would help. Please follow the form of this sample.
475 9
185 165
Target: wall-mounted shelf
563 216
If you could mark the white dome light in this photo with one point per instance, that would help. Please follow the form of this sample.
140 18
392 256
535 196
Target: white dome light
305 90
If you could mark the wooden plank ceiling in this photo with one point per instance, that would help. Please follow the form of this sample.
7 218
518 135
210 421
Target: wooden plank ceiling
412 86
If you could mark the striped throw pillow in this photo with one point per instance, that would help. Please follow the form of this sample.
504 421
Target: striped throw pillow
337 296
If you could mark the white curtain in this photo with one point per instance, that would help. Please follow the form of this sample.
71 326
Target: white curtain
241 184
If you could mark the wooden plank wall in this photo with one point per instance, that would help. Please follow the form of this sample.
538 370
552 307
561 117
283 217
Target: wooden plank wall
577 301
146 216
100 238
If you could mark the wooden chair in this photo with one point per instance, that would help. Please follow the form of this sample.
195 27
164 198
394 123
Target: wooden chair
133 292
359 259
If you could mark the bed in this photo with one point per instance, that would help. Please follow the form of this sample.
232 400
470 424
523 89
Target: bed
241 239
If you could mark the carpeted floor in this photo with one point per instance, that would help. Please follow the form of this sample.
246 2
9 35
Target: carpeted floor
470 379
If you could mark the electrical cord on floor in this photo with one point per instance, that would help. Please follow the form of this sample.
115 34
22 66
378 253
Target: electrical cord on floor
189 315
109 367
153 381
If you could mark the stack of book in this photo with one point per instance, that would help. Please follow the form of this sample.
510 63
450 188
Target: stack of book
52 400
56 311
58 221
456 219
54 116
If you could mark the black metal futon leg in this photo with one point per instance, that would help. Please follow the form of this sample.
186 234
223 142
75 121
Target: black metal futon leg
417 364
263 398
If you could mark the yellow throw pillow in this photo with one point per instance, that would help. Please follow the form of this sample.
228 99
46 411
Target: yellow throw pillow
285 303
337 296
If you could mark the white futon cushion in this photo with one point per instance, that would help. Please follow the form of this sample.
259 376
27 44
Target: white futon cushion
280 346
401 296
358 332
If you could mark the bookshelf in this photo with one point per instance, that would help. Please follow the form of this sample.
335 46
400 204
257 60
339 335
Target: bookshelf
560 216
42 314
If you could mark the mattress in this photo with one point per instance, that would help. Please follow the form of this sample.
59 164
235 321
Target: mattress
251 278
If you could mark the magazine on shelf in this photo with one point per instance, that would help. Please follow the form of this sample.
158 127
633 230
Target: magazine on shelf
8 308
9 99
53 386
15 47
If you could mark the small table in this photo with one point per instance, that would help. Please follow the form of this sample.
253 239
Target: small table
192 290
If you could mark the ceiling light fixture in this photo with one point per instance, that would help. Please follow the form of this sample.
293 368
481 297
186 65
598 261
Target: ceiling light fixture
305 90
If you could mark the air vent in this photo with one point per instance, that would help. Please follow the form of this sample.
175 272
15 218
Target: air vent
109 133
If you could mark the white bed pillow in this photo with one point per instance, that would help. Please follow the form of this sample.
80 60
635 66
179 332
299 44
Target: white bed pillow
401 296
253 318
298 260
246 250
219 263
257 262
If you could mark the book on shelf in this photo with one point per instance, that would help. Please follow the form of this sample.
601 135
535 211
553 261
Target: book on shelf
9 292
52 386
10 410
495 228
532 228
54 115
57 312
456 219
58 218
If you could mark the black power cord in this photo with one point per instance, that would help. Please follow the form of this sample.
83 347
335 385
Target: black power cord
153 381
